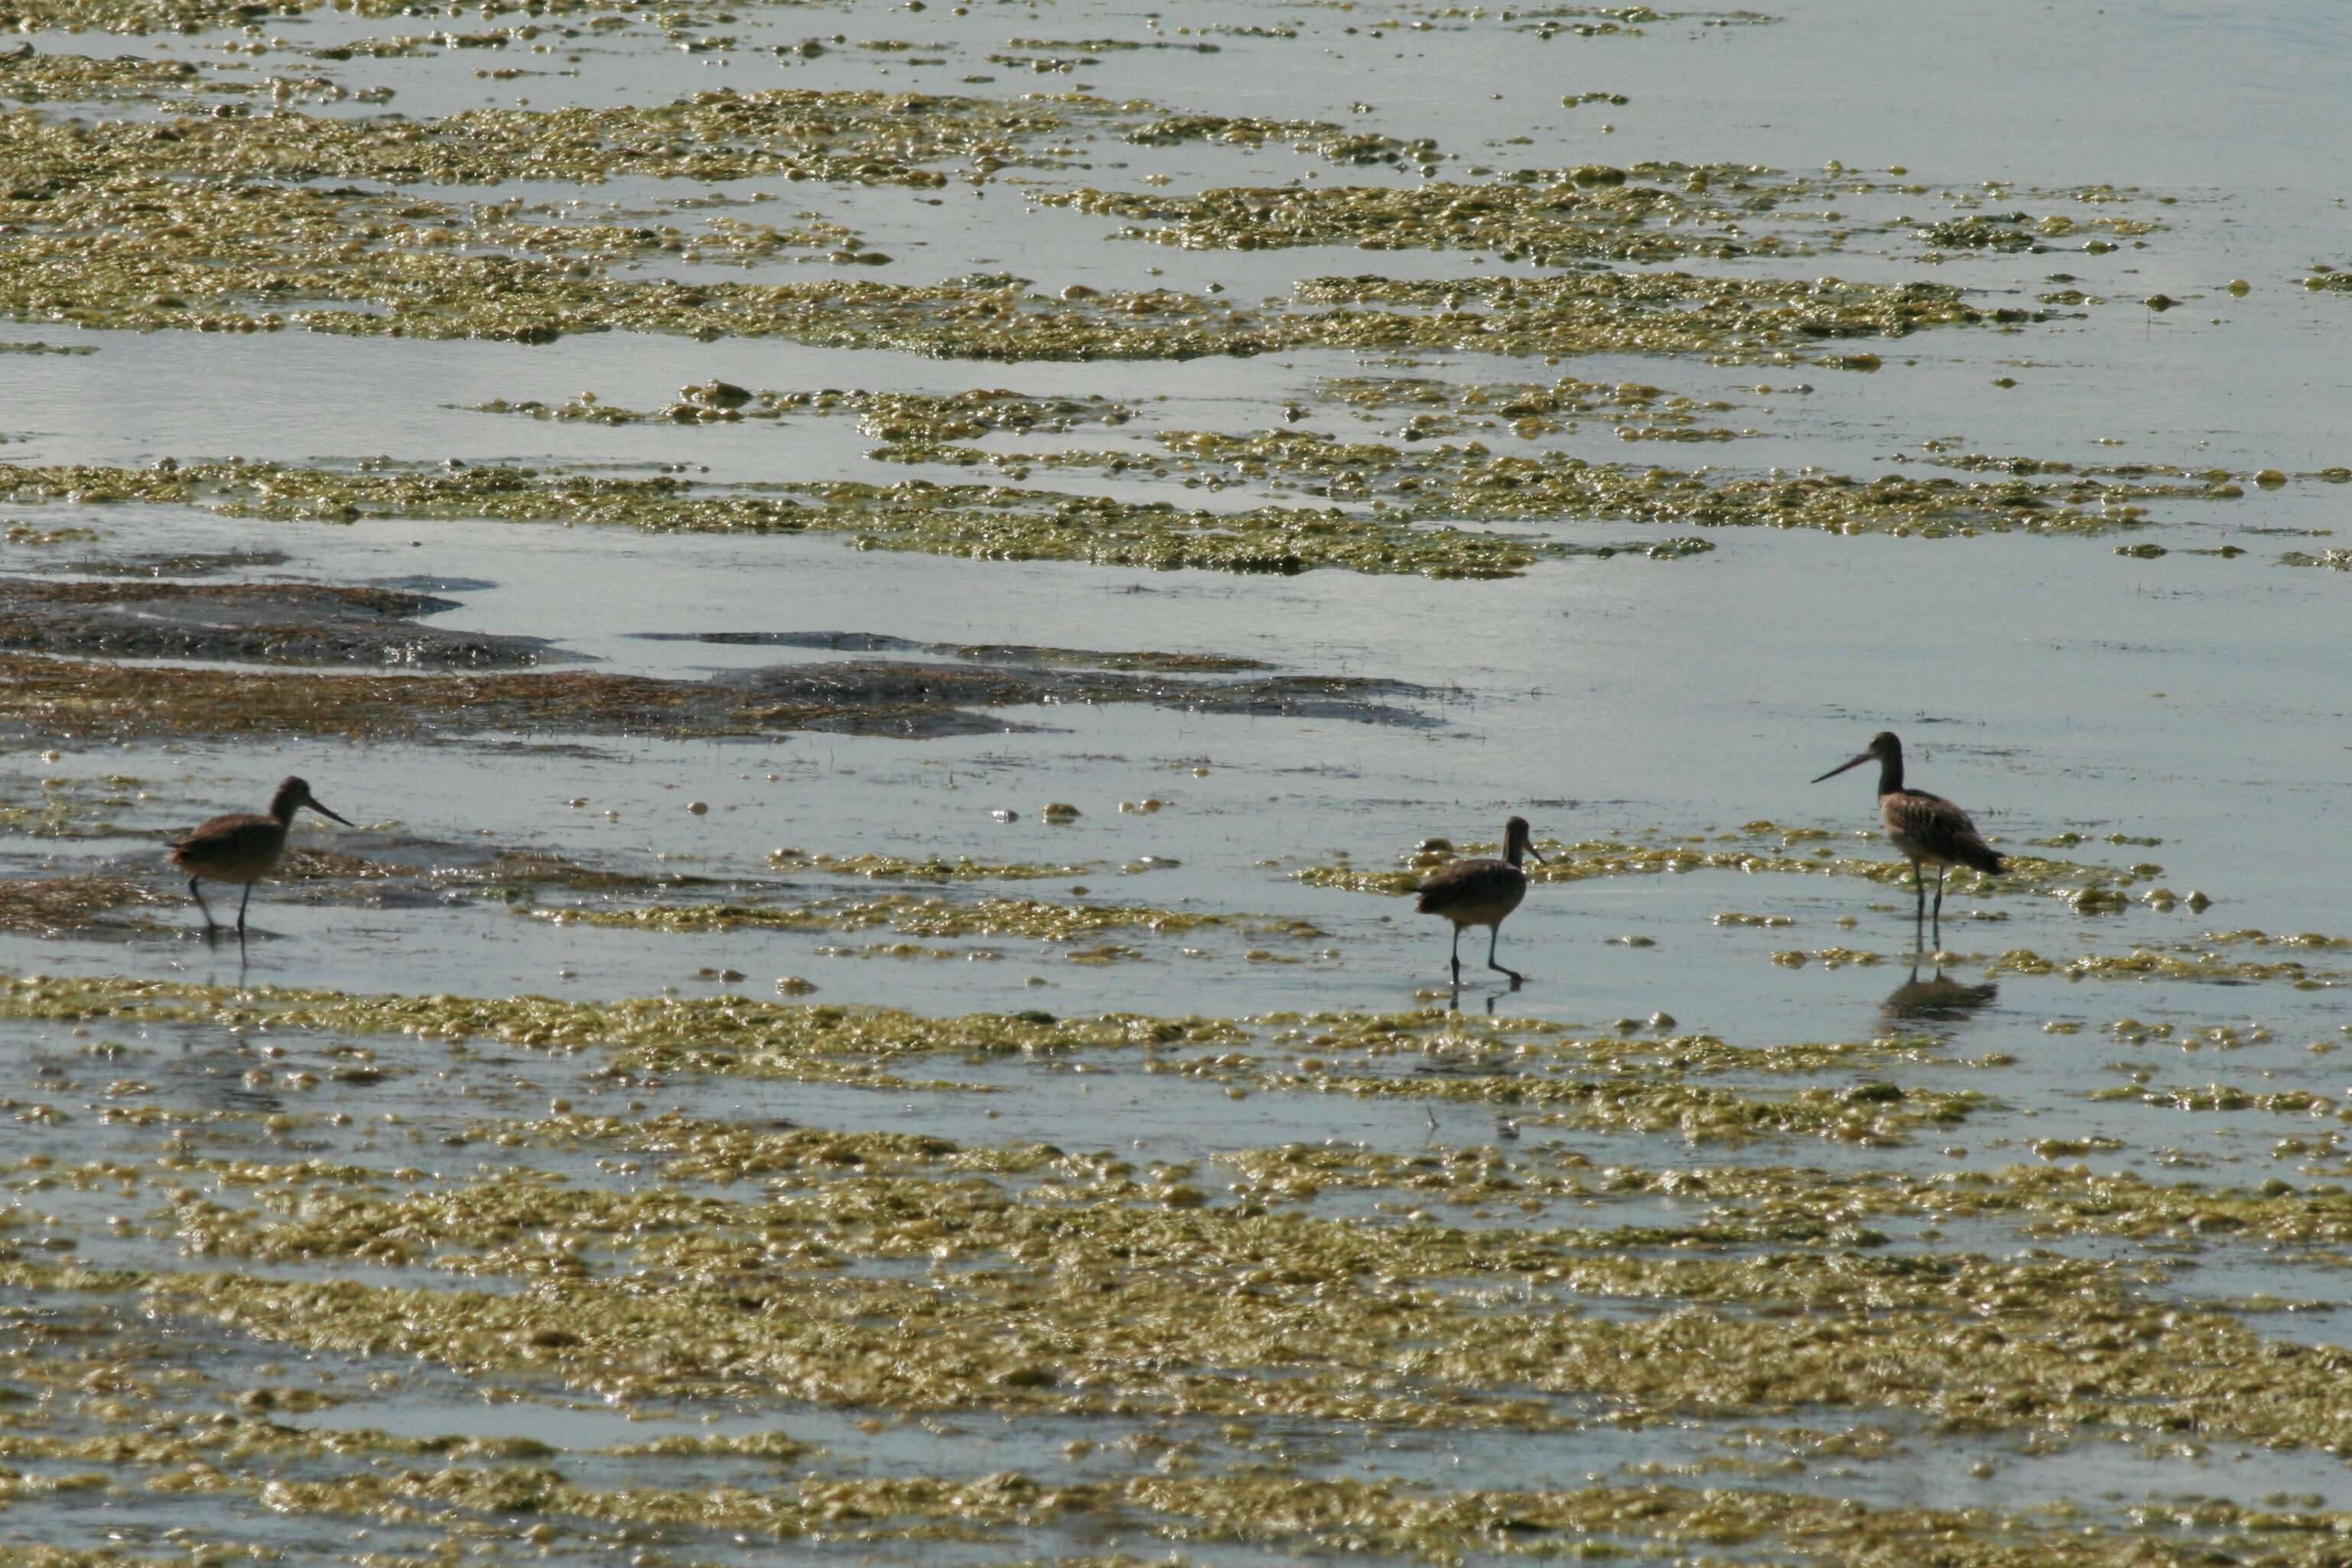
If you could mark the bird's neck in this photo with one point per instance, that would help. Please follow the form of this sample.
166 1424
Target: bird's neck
1890 774
1512 850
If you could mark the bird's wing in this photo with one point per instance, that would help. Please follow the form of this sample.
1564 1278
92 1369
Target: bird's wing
1939 827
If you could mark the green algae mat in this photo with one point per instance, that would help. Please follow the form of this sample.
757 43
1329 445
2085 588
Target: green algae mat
901 597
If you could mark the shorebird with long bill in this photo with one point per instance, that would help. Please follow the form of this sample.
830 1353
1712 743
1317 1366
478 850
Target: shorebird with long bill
243 848
1481 892
1926 827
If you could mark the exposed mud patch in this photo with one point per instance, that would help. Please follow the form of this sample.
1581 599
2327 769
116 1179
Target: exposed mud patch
273 623
977 653
62 700
857 690
67 699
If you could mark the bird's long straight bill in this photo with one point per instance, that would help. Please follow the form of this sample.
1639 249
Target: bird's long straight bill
1842 766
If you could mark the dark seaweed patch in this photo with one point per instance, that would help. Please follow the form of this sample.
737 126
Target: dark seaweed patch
275 623
58 698
977 653
855 686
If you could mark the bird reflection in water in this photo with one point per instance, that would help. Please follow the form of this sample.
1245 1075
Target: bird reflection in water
1455 1005
1935 1000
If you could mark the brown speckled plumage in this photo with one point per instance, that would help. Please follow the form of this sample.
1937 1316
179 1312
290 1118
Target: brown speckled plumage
1928 829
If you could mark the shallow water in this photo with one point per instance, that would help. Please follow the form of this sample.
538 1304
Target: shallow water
1738 1208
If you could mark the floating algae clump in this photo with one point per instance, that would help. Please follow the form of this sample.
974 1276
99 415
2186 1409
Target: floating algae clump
732 1035
141 16
897 868
45 77
889 1275
1436 485
918 917
1757 849
921 419
974 520
65 807
1417 499
57 905
226 223
1548 225
1475 480
2145 963
717 1034
1063 1304
1699 1113
851 136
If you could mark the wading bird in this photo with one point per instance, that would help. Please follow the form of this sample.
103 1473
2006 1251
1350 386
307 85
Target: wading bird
242 848
1480 893
1926 827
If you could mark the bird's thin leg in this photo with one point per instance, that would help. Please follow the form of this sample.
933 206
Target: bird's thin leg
195 893
240 910
1939 906
1494 934
1457 958
1919 910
